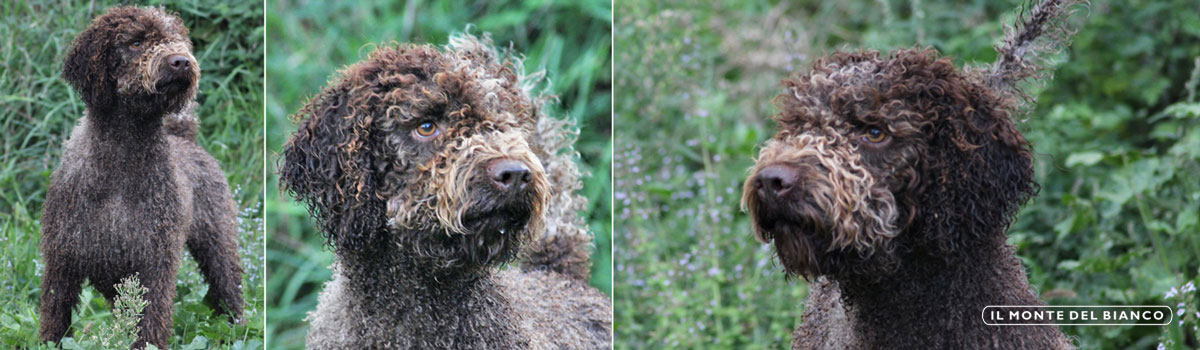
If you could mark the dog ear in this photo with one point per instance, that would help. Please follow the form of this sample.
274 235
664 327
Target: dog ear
978 172
88 65
327 164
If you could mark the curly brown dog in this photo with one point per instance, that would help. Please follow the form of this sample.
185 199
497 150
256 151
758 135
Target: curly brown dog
893 179
428 170
134 188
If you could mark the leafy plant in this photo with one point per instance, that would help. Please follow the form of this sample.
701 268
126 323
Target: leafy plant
121 332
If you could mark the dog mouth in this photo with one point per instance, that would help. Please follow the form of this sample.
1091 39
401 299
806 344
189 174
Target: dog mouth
787 230
173 83
808 243
504 199
498 221
797 218
799 234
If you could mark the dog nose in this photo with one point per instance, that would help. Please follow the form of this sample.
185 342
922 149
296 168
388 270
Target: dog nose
776 180
508 173
178 62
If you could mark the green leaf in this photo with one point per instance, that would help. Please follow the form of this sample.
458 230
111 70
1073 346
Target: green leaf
1069 265
7 321
1186 222
1184 110
1085 158
198 343
71 344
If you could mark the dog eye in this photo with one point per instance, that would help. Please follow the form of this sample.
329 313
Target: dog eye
875 135
136 44
426 130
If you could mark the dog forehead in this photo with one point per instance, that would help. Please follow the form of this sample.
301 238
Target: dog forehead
850 73
166 24
806 112
145 23
171 25
490 86
842 92
460 84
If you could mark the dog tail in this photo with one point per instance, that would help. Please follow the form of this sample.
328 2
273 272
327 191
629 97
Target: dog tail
183 123
565 245
1042 29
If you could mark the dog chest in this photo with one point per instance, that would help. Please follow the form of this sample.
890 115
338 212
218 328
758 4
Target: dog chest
134 209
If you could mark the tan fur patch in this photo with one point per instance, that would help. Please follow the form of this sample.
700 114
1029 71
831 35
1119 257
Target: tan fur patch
861 214
450 188
148 68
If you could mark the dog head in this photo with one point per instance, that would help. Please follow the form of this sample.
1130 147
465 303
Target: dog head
876 155
134 59
426 149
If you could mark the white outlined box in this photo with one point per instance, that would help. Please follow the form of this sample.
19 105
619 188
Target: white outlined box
1048 315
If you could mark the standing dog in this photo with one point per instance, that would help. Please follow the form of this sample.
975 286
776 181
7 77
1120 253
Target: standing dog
134 188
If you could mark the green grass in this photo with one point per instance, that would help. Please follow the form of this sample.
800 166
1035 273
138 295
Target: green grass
37 112
1116 136
309 40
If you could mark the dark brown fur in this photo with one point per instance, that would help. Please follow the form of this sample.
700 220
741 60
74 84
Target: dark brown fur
891 182
134 188
420 232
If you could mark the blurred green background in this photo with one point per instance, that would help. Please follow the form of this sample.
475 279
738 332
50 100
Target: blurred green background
1115 134
37 112
310 40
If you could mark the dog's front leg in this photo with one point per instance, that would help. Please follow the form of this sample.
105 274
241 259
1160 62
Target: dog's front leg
60 294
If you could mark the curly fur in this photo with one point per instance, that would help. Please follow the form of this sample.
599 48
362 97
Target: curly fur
420 232
1042 29
891 181
134 188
